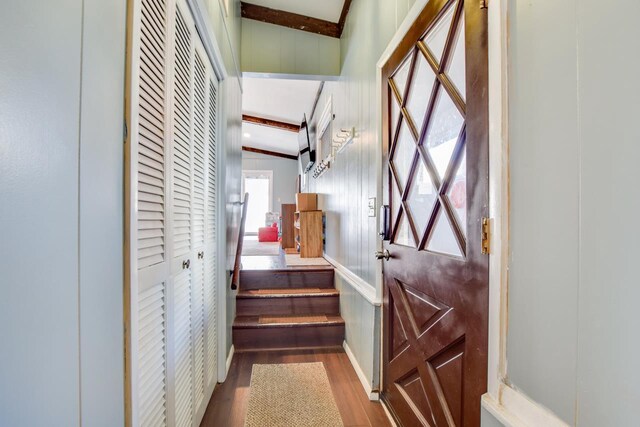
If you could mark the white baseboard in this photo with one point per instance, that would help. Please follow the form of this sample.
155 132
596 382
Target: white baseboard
514 409
230 358
373 395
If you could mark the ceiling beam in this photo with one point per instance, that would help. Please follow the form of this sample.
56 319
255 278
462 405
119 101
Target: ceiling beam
315 102
271 123
269 153
343 15
291 20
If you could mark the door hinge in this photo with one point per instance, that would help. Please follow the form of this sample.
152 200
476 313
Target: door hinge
486 236
483 4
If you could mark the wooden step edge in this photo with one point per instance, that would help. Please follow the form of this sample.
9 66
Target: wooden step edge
287 293
291 270
253 322
292 349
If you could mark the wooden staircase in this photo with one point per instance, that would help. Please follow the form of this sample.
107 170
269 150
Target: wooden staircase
287 308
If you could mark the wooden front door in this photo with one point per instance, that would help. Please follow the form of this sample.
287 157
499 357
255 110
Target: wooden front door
436 178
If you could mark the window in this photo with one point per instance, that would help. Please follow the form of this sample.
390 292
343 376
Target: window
324 142
259 185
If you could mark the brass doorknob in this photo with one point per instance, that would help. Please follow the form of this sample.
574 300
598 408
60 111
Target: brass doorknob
383 254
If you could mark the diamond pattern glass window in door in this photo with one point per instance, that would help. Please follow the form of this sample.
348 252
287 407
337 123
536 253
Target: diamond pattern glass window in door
402 75
436 38
403 234
395 113
457 194
421 199
396 203
442 238
403 154
456 67
443 131
420 91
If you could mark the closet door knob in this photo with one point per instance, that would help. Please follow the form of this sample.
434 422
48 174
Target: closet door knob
201 255
186 264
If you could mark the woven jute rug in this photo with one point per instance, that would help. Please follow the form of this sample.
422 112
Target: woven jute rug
291 395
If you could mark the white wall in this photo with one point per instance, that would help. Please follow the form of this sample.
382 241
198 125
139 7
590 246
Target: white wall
544 162
268 48
61 180
608 385
572 319
285 172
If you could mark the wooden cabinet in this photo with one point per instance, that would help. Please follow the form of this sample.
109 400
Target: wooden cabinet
308 231
288 231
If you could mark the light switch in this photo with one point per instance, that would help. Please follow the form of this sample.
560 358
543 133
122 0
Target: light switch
372 206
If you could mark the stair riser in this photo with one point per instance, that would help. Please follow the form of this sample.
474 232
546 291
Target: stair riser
265 279
265 338
289 305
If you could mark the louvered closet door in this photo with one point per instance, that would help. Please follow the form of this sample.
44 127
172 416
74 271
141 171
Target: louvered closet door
199 156
148 220
182 217
173 221
211 236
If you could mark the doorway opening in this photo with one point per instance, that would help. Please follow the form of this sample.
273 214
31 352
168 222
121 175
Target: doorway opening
259 185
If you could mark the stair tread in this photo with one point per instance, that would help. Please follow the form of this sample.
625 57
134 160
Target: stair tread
288 293
287 321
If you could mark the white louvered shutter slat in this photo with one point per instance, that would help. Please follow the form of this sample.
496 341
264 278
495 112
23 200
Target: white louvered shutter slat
182 223
151 355
211 237
151 164
199 130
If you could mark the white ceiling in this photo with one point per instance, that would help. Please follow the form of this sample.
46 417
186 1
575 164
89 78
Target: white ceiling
272 139
276 99
329 10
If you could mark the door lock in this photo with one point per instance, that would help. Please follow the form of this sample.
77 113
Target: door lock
383 254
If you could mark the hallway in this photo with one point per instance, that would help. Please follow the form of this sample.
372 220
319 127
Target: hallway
442 199
228 405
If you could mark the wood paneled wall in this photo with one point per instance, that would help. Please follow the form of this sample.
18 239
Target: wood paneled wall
345 189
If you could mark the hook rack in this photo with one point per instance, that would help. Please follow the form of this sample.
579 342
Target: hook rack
343 139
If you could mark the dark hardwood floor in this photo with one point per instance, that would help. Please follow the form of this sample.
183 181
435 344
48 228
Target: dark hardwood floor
228 404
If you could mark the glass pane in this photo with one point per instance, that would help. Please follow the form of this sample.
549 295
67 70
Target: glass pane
437 37
456 70
420 91
457 194
395 113
396 203
403 236
400 77
442 238
404 153
444 127
422 197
